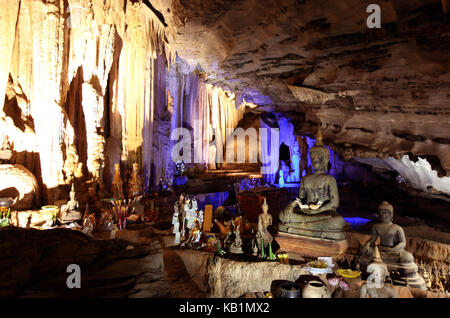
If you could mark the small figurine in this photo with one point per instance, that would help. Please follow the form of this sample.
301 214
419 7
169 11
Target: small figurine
179 166
88 225
294 176
190 209
281 180
263 237
178 219
194 234
255 249
69 211
236 247
225 228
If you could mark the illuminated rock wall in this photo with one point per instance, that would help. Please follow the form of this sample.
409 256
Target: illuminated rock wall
192 104
77 76
89 84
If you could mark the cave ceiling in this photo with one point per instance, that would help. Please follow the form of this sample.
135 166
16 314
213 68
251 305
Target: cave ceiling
376 92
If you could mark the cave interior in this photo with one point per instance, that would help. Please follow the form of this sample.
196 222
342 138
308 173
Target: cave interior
128 104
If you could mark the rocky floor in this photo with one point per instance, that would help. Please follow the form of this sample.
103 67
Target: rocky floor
142 262
34 264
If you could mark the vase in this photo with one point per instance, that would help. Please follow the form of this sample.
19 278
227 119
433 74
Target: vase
316 289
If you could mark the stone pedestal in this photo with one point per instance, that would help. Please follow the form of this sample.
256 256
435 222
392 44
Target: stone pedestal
298 246
401 274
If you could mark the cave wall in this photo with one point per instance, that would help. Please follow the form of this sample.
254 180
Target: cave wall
70 70
377 93
89 84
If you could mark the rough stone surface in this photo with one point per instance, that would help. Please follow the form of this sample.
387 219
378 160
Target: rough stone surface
113 268
422 249
227 278
18 182
376 92
30 218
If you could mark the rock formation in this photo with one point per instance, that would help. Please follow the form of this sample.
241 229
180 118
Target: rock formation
18 183
73 107
376 92
113 268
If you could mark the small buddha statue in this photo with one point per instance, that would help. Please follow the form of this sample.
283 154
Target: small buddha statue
313 213
263 237
69 210
295 164
392 244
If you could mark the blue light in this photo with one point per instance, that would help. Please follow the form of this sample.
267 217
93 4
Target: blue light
215 199
356 221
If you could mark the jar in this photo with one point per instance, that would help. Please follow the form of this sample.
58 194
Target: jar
316 289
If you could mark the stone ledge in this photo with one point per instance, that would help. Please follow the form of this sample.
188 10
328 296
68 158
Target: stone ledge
224 278
422 249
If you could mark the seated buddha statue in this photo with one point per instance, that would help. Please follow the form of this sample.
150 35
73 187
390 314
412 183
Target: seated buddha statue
313 213
392 249
69 211
392 238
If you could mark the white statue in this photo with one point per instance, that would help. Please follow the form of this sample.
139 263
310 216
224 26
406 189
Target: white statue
263 236
190 208
281 180
69 211
236 247
294 176
177 215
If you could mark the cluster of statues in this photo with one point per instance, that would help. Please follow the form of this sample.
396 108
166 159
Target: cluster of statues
313 215
187 221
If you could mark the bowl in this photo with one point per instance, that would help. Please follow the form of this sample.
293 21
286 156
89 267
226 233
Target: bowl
289 290
348 273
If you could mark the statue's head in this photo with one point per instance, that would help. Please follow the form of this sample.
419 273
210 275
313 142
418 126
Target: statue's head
265 206
386 212
320 156
72 192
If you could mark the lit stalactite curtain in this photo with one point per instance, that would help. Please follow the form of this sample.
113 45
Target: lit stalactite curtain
268 154
147 133
199 106
142 41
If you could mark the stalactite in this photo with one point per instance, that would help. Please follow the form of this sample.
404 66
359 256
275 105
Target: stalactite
55 43
96 54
